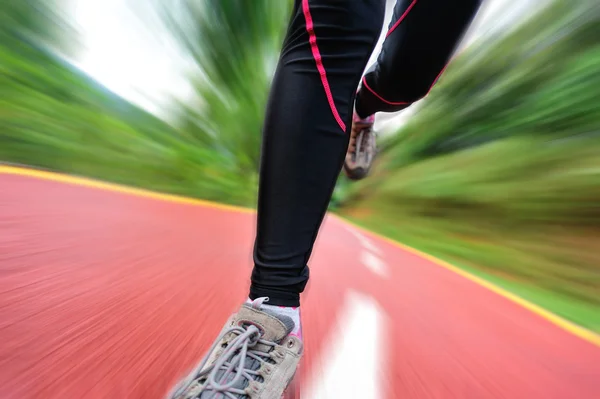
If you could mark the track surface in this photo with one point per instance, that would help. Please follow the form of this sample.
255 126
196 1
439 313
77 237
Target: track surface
110 295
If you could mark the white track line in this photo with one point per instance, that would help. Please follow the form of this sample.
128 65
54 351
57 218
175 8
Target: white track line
351 365
371 255
364 241
374 264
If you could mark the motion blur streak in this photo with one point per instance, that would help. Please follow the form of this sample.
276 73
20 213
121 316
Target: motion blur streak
105 294
109 295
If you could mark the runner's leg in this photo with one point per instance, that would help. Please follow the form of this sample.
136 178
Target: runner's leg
305 136
421 38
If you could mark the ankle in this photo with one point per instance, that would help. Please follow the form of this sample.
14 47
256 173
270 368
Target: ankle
356 117
293 312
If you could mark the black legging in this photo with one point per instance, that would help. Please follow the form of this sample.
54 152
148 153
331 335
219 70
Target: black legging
308 117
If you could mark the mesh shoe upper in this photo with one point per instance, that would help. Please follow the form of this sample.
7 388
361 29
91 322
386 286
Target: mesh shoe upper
253 357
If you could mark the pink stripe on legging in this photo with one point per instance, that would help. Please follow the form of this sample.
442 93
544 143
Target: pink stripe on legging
364 80
401 18
379 97
317 56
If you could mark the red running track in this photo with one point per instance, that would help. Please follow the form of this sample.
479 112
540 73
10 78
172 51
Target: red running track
111 295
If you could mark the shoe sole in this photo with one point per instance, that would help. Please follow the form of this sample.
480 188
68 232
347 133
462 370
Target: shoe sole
355 174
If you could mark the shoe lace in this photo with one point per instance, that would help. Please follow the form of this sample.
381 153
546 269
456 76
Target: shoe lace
233 358
359 138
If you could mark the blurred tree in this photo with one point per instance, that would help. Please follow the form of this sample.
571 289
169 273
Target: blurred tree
35 23
235 46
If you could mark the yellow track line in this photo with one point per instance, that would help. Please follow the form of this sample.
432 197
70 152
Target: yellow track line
572 328
87 182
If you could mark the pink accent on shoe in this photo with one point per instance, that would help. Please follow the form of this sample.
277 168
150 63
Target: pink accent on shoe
368 119
401 18
297 334
318 60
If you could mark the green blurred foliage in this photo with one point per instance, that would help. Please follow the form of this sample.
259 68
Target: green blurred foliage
54 116
235 46
500 170
27 22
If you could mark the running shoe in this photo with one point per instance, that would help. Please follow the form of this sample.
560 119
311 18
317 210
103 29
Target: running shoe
254 357
362 148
